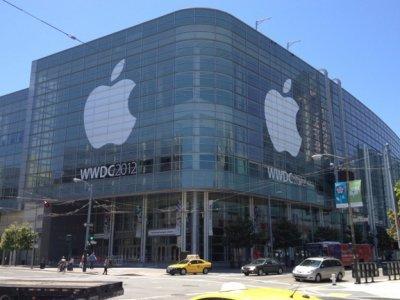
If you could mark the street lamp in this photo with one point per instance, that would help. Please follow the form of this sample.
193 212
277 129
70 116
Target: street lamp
289 44
258 22
349 208
89 214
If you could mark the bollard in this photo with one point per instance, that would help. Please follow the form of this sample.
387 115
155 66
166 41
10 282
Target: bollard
333 278
372 271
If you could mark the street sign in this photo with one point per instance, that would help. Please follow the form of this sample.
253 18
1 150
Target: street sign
360 219
86 224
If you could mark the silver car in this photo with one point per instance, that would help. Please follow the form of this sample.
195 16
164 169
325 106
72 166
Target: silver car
319 268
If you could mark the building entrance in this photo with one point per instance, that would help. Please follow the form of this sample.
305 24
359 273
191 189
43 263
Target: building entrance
164 249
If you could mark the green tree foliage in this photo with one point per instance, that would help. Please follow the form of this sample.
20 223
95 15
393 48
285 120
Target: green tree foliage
18 237
385 242
326 233
286 235
9 238
391 215
26 237
240 234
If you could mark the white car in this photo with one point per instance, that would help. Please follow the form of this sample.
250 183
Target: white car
319 268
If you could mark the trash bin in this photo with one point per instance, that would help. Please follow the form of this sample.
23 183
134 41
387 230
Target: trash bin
42 265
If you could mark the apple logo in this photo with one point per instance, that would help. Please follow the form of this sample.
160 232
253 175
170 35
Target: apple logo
107 119
280 116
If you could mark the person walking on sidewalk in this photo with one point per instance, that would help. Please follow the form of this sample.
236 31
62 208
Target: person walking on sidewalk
106 265
92 259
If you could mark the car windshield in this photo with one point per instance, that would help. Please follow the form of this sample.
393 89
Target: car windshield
311 263
258 261
185 261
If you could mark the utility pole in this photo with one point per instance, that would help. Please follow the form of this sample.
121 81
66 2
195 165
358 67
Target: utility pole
353 236
88 219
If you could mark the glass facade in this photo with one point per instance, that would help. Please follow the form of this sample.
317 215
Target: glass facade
12 127
188 123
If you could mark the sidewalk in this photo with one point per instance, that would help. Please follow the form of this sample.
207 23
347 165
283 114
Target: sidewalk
382 288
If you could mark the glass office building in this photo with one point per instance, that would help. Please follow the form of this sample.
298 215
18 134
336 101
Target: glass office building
186 124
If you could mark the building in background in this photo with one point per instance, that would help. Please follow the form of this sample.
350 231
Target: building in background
184 125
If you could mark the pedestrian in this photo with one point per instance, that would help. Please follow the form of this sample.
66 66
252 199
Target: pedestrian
70 266
107 263
62 264
92 259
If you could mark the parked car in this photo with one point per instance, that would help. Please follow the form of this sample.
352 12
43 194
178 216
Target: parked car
262 266
237 291
319 268
192 264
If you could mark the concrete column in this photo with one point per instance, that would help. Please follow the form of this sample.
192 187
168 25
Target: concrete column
195 223
289 211
321 217
370 200
111 233
206 226
251 215
144 230
183 222
251 208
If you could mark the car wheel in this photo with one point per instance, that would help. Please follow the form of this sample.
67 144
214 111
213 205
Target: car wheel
339 277
260 272
172 272
280 271
318 278
246 274
297 279
183 272
205 271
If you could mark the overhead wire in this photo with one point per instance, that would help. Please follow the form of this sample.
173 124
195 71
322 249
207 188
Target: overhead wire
72 37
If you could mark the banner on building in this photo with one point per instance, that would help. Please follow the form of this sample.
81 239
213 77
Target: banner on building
341 194
355 196
165 232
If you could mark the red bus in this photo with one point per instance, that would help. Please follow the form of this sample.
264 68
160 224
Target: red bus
341 251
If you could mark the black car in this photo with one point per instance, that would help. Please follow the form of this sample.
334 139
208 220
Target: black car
263 266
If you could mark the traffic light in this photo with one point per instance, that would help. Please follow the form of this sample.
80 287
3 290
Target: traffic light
347 232
92 240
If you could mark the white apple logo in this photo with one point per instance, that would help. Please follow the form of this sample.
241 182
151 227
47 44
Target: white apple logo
106 117
280 116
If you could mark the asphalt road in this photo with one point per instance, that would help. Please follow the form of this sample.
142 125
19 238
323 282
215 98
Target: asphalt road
147 283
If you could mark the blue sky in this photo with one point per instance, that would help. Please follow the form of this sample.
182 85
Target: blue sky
357 41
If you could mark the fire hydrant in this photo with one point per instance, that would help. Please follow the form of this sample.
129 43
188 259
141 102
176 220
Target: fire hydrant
333 279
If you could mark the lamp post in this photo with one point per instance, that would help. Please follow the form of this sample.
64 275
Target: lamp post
289 44
88 224
349 208
258 22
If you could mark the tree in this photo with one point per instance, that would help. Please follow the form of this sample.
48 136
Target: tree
392 217
385 241
25 238
326 233
240 234
18 237
9 239
286 235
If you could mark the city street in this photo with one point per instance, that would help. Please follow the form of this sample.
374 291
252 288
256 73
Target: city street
153 283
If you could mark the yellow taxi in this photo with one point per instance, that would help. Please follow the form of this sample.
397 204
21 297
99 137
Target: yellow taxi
192 264
237 291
